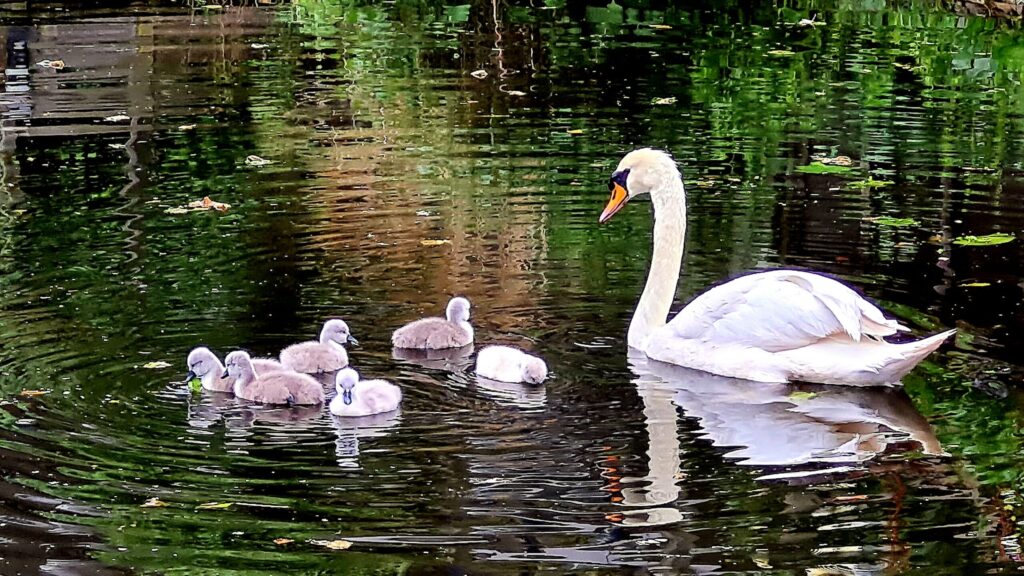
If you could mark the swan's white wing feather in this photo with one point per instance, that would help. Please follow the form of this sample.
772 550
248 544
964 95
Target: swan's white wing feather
779 310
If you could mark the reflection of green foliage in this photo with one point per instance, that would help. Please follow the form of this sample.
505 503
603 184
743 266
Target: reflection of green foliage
819 168
987 240
893 222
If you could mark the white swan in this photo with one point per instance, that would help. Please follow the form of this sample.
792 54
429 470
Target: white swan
775 326
358 398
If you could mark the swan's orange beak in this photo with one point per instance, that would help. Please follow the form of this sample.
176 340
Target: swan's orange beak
617 201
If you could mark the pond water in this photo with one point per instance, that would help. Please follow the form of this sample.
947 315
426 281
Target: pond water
399 175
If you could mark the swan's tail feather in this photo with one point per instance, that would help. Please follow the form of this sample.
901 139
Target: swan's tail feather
911 354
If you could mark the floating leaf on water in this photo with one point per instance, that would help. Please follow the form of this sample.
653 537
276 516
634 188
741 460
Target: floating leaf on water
117 118
283 541
32 393
154 503
195 384
892 221
987 240
207 204
187 127
871 183
801 395
836 161
822 168
434 242
976 284
781 52
479 74
215 506
660 26
55 64
575 132
177 210
851 498
332 544
258 46
664 101
156 364
516 93
256 161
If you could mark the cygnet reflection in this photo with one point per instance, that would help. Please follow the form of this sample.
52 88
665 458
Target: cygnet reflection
350 431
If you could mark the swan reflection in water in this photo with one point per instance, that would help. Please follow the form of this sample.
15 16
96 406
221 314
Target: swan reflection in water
795 432
351 430
211 408
450 359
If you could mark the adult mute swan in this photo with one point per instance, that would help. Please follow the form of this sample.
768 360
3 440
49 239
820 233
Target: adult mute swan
774 326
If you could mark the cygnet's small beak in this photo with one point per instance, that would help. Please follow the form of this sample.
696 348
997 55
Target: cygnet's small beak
352 340
615 203
225 374
189 377
346 396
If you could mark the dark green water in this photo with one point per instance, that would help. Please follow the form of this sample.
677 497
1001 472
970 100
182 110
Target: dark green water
381 138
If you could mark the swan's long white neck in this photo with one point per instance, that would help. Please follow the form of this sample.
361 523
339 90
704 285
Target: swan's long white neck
669 199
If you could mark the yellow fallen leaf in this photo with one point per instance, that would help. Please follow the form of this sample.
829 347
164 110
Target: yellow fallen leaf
575 132
283 541
661 26
333 544
781 52
664 101
156 364
154 503
214 506
970 285
33 393
434 242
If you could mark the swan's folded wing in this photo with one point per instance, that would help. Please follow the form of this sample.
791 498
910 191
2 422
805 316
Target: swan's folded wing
779 310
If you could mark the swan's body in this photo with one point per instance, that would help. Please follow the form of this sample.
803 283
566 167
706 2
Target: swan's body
204 364
358 398
283 387
508 364
452 331
324 355
775 326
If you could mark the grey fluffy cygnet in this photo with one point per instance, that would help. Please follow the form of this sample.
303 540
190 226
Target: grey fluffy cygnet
453 331
326 355
204 364
281 387
509 364
363 397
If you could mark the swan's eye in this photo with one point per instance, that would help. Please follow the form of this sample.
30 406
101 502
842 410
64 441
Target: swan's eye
618 178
